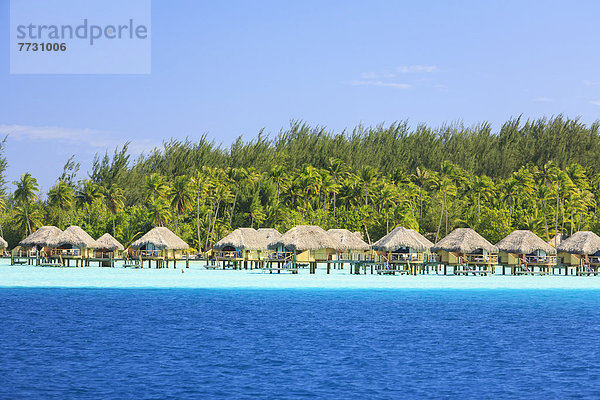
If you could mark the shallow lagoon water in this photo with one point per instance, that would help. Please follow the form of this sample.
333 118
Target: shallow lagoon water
91 333
198 277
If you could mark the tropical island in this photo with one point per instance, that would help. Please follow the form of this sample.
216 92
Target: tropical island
536 175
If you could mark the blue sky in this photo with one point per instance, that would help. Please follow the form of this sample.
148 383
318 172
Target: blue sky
232 68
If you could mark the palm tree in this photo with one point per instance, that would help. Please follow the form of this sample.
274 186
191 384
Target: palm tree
576 174
448 188
221 194
237 176
421 177
25 194
257 213
309 182
447 182
156 187
115 202
579 201
159 212
328 185
26 219
61 195
278 176
510 196
367 176
87 194
483 187
387 197
199 184
350 191
181 196
551 176
524 183
566 190
543 194
338 170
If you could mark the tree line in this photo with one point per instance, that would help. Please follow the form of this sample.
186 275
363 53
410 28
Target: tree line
540 175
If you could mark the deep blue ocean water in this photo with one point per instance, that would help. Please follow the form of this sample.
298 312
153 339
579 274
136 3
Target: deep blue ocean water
296 344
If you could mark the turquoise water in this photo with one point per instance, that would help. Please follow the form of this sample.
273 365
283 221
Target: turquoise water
297 344
199 277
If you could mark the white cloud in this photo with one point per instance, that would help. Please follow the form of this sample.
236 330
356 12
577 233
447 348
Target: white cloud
95 140
595 102
417 68
369 75
55 133
591 83
381 84
541 99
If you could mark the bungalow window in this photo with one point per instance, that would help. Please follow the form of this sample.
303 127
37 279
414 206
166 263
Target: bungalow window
150 250
538 255
402 250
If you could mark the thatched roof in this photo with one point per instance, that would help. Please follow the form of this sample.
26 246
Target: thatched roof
582 242
107 242
269 234
402 237
241 238
304 237
3 243
422 238
161 238
74 236
248 239
464 240
41 237
524 242
345 240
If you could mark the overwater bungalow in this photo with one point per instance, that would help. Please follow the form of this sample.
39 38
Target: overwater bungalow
581 253
35 247
523 251
405 248
303 244
160 245
467 252
73 244
348 245
403 245
244 246
39 240
108 249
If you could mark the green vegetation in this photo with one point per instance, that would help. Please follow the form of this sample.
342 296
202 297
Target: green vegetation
540 175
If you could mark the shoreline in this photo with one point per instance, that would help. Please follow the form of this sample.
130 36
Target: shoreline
197 277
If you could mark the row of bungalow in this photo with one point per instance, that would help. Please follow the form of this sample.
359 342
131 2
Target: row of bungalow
51 246
404 250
